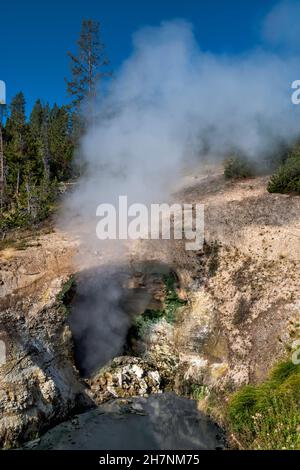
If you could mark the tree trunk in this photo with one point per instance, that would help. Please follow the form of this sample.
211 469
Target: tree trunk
18 184
27 186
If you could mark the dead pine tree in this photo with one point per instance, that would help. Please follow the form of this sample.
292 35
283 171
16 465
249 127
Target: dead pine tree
88 67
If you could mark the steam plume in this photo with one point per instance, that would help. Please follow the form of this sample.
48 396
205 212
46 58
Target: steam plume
172 104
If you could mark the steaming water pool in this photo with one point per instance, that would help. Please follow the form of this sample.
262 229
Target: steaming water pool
163 421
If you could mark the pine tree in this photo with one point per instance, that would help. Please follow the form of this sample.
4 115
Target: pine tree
28 186
38 154
87 67
39 127
60 143
16 143
36 119
17 120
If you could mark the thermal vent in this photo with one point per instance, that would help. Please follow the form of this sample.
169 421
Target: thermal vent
107 300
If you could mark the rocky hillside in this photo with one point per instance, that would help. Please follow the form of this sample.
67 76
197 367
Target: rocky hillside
39 384
241 310
243 287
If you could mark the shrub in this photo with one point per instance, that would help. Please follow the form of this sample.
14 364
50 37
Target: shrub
237 167
267 416
172 303
42 204
199 392
287 178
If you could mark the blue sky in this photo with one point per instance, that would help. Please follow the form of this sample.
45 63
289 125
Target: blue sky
36 35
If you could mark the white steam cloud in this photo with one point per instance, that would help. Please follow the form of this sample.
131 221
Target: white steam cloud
172 104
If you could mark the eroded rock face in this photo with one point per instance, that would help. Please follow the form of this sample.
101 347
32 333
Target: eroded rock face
124 376
243 287
159 348
38 381
39 384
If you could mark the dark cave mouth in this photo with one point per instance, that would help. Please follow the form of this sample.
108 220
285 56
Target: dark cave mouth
103 304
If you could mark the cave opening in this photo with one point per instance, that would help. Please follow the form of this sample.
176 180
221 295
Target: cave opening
103 305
